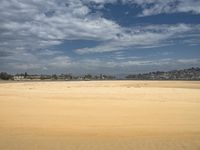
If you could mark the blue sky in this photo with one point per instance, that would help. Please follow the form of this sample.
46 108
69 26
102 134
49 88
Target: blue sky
99 36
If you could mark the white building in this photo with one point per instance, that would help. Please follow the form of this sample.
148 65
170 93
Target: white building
18 77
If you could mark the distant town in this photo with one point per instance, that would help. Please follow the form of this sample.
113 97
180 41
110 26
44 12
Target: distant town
184 74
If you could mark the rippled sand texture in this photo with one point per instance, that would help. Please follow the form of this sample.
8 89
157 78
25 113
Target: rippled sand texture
107 115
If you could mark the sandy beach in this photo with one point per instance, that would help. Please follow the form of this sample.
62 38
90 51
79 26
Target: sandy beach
100 115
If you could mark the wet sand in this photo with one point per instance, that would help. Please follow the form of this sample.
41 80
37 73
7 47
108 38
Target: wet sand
103 115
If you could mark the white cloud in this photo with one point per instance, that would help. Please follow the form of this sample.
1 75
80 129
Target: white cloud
167 6
59 62
41 24
33 25
143 37
29 29
129 64
22 66
189 61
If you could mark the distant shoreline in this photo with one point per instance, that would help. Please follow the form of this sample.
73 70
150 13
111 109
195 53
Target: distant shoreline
27 81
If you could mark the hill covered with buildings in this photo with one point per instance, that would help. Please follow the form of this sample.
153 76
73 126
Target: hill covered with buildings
184 74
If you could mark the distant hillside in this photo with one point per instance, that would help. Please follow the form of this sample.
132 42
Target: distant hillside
185 74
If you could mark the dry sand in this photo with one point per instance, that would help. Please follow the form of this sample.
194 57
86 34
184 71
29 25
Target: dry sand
106 115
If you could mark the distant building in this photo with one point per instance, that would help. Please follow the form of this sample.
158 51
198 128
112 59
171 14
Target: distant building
18 77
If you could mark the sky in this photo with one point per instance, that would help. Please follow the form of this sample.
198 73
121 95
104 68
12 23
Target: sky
98 36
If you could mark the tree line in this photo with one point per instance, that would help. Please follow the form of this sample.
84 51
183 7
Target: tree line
184 74
26 76
6 76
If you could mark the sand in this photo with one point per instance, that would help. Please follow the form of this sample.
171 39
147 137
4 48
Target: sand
103 115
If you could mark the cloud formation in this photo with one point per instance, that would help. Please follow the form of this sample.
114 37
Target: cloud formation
144 37
154 7
29 30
